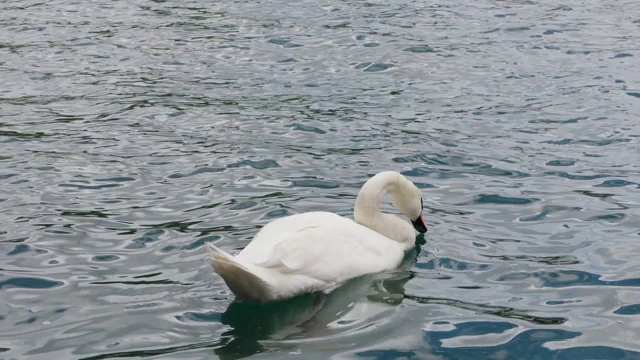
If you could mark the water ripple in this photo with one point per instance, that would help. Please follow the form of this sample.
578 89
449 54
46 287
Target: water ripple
133 133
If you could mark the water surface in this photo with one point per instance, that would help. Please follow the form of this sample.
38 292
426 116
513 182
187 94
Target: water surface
133 132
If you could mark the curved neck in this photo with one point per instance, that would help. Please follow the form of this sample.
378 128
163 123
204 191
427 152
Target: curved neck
369 201
367 210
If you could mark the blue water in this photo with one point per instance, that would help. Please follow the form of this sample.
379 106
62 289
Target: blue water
134 132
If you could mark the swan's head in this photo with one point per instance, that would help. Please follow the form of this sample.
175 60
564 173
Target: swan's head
407 198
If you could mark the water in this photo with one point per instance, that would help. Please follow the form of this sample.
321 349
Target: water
133 132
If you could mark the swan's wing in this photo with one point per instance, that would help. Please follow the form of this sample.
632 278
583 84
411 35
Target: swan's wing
279 230
332 253
275 231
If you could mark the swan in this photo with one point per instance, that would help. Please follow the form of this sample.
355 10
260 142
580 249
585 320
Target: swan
318 251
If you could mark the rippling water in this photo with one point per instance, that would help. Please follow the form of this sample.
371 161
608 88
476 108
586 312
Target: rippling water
133 132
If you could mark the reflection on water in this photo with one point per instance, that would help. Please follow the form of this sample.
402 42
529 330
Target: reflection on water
318 316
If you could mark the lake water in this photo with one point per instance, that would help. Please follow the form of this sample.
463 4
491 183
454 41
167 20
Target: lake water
133 132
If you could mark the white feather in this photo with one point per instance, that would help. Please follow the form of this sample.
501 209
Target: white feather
317 251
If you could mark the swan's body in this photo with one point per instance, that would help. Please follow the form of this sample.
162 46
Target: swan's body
317 251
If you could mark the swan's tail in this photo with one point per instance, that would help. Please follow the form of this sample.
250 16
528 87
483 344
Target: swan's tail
244 284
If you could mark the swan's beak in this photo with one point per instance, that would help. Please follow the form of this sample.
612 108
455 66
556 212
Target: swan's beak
419 224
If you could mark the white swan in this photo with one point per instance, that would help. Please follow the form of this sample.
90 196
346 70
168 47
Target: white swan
317 251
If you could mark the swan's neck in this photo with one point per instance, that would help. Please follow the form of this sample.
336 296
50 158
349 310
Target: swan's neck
367 212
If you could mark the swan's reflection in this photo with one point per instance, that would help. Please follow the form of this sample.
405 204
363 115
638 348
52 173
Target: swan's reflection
313 315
